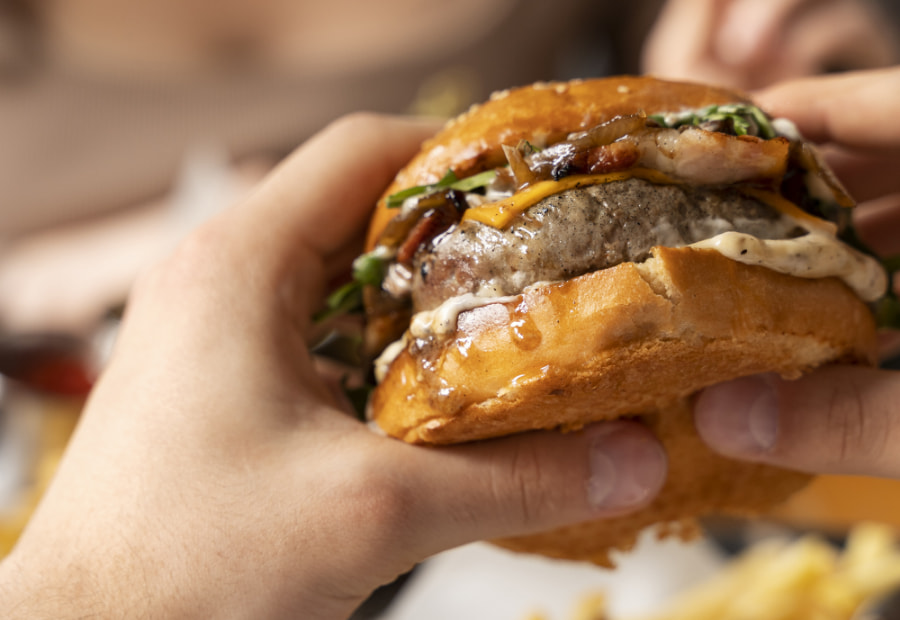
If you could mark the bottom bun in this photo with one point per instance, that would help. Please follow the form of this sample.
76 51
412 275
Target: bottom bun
636 340
700 483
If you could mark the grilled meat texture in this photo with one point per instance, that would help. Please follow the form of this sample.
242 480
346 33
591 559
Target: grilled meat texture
579 231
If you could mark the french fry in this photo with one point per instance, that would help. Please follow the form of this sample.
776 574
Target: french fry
804 579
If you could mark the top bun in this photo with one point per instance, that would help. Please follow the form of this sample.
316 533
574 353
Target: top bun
543 112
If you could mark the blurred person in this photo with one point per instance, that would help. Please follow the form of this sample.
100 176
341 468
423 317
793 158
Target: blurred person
117 114
753 43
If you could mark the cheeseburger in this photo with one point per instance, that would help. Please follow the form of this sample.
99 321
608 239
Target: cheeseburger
567 253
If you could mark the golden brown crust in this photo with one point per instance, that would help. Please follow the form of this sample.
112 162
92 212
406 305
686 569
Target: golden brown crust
618 342
540 112
630 340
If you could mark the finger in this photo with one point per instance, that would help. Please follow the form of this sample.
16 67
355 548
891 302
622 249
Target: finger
877 223
319 199
866 174
864 40
679 46
854 109
533 482
751 30
839 420
284 240
888 344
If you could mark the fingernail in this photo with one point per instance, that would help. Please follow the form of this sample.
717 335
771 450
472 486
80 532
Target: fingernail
739 417
627 466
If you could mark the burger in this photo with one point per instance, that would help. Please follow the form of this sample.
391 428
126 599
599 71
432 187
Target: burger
567 253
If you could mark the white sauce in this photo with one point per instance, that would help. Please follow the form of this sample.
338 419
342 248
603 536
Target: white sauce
815 255
786 128
438 322
398 281
387 356
442 320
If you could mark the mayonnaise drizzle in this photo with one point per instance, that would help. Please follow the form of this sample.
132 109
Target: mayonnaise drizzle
437 322
442 320
814 255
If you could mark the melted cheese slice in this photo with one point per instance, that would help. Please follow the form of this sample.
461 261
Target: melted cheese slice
500 213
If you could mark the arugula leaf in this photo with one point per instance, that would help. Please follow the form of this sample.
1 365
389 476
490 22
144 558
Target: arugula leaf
448 181
887 309
745 119
344 300
766 129
368 269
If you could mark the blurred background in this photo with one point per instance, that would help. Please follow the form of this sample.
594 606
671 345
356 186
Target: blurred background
125 123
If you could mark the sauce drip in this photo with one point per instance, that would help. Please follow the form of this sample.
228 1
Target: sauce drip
522 329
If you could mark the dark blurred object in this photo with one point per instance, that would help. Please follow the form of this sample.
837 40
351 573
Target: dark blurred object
380 600
44 380
886 607
18 49
47 363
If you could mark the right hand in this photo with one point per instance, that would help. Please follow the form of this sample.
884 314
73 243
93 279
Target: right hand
749 44
838 419
854 117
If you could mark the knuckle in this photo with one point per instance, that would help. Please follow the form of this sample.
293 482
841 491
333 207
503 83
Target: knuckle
383 502
195 262
860 433
522 488
355 123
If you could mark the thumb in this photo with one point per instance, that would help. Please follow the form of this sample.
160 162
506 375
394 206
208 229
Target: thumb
840 420
535 482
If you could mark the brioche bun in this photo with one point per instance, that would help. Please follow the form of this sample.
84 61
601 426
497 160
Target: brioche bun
635 340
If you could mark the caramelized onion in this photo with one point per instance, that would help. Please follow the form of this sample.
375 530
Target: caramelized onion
608 132
522 172
820 179
450 204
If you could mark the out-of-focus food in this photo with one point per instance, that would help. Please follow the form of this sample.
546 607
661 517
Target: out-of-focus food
803 579
45 423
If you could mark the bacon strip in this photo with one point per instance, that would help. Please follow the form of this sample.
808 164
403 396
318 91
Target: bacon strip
703 157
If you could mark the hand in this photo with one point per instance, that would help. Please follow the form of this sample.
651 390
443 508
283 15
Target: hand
854 117
749 44
214 473
838 419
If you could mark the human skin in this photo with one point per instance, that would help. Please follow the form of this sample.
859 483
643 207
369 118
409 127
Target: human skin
750 44
843 420
214 473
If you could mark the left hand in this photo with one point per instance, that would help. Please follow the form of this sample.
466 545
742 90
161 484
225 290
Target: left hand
214 473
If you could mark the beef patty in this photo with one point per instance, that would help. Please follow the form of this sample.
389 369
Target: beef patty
583 230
